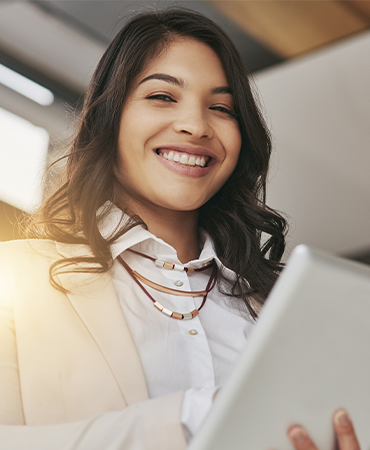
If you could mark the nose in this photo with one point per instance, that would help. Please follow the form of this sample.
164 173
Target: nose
193 121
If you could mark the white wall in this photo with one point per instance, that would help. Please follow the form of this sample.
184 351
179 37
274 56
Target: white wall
318 108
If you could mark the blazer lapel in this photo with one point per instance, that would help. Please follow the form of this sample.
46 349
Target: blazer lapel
95 301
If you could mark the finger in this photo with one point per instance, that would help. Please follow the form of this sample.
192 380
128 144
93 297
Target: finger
345 431
300 439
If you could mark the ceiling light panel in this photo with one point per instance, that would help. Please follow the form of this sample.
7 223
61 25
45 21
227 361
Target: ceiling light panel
25 86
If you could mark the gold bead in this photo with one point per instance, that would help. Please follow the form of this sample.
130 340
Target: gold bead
158 306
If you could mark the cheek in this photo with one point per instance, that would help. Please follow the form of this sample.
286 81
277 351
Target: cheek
130 142
233 143
137 129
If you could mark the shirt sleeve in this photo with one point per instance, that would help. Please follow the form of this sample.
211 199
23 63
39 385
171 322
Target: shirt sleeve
195 407
151 425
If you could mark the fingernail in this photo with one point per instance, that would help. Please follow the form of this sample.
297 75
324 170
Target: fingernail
298 435
342 419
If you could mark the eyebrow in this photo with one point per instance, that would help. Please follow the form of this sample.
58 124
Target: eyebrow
181 83
221 90
162 76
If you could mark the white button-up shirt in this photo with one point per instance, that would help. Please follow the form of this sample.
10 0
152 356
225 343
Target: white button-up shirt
197 355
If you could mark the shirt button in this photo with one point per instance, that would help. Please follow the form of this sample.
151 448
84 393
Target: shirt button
178 283
193 332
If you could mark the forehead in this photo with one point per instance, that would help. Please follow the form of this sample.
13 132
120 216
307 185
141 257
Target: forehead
188 59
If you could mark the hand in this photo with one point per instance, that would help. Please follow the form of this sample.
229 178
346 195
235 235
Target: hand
344 431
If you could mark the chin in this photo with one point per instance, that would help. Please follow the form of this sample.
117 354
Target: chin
184 206
184 199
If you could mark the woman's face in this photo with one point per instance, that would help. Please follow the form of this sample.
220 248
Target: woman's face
178 141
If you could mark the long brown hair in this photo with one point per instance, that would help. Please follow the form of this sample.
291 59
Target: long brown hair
235 217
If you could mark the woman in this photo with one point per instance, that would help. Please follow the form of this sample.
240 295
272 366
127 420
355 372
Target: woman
163 194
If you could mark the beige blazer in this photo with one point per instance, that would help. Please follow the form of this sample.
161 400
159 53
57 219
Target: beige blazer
67 357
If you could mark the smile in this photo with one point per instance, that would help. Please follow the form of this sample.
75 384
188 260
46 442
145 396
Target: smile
184 158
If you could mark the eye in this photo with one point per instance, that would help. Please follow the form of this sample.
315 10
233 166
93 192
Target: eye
161 97
225 110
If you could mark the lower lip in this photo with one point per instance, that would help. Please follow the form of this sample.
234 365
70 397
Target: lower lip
182 169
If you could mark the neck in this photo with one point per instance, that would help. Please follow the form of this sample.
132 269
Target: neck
178 228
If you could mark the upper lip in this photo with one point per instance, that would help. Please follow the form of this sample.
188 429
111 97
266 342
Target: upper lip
191 150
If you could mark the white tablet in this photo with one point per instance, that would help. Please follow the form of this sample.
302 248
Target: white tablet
308 355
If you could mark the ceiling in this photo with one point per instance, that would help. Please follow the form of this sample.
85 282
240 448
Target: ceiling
293 28
58 42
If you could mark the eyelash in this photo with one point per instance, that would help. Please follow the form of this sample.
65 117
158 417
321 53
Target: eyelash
224 110
163 97
166 98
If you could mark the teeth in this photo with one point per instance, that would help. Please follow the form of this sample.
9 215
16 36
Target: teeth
185 159
191 161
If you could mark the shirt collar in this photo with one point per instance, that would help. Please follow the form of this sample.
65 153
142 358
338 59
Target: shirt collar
143 241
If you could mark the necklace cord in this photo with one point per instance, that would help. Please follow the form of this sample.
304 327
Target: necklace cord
210 285
131 273
186 269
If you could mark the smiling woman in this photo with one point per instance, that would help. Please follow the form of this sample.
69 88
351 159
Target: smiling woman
171 81
164 188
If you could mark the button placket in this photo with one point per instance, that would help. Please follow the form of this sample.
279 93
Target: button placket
199 354
196 345
182 280
178 279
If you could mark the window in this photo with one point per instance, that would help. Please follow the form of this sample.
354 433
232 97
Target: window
23 154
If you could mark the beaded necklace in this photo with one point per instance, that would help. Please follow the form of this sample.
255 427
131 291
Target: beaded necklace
139 279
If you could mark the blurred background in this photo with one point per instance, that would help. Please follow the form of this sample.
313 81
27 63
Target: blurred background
310 62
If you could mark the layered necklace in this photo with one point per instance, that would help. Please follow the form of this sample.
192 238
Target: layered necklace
139 279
